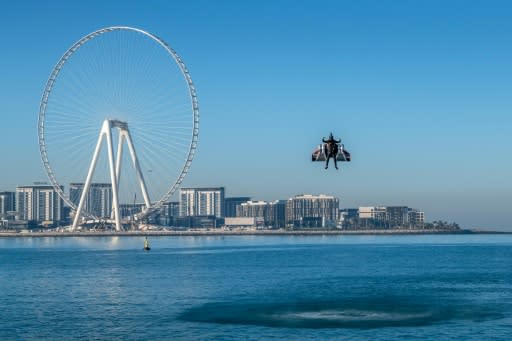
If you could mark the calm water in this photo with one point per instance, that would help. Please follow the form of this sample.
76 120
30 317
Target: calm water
251 288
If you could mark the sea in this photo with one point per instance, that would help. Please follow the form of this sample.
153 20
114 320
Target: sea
396 287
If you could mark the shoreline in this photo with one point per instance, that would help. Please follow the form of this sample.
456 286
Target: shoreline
187 233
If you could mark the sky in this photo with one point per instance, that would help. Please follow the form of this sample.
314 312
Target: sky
419 92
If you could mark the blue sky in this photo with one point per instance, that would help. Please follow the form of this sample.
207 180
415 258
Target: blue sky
419 91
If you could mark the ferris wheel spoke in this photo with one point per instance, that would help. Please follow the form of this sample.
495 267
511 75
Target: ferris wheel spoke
177 143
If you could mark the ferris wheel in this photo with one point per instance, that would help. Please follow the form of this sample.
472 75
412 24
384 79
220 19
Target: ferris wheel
118 125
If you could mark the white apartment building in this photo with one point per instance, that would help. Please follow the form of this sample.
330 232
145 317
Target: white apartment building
306 206
207 201
39 203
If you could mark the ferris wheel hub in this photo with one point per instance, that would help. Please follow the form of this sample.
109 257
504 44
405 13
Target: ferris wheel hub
118 124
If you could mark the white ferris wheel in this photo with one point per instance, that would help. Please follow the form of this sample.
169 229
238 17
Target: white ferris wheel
118 125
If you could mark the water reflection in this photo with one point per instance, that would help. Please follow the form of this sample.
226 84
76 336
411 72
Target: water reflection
196 242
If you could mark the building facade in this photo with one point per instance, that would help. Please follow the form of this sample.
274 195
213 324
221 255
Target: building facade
397 216
231 204
207 201
129 210
255 209
40 204
98 201
348 217
416 218
307 210
169 212
278 213
266 213
372 212
7 204
390 217
172 208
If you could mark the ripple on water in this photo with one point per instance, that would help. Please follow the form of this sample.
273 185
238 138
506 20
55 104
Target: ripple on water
340 313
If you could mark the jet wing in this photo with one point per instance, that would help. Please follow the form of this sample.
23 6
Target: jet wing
343 155
319 154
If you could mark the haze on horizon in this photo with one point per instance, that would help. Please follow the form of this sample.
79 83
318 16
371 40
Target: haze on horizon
419 92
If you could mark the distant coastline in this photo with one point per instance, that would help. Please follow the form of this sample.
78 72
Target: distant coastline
7 234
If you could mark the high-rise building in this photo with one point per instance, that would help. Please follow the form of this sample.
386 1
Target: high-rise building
312 210
268 213
259 210
98 201
278 213
256 209
416 218
172 208
7 204
397 216
207 201
169 213
39 203
231 204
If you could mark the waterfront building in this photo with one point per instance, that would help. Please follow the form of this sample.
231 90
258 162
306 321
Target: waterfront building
206 201
372 212
7 204
259 210
40 204
307 210
253 209
390 217
397 216
171 208
231 204
98 201
349 213
169 212
372 217
201 222
348 217
416 218
266 213
279 213
128 210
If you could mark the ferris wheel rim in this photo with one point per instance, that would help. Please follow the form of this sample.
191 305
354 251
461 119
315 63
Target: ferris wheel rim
191 93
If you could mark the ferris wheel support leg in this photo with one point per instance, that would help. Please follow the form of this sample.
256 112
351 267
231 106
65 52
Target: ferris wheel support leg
87 184
113 176
119 156
136 165
118 163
